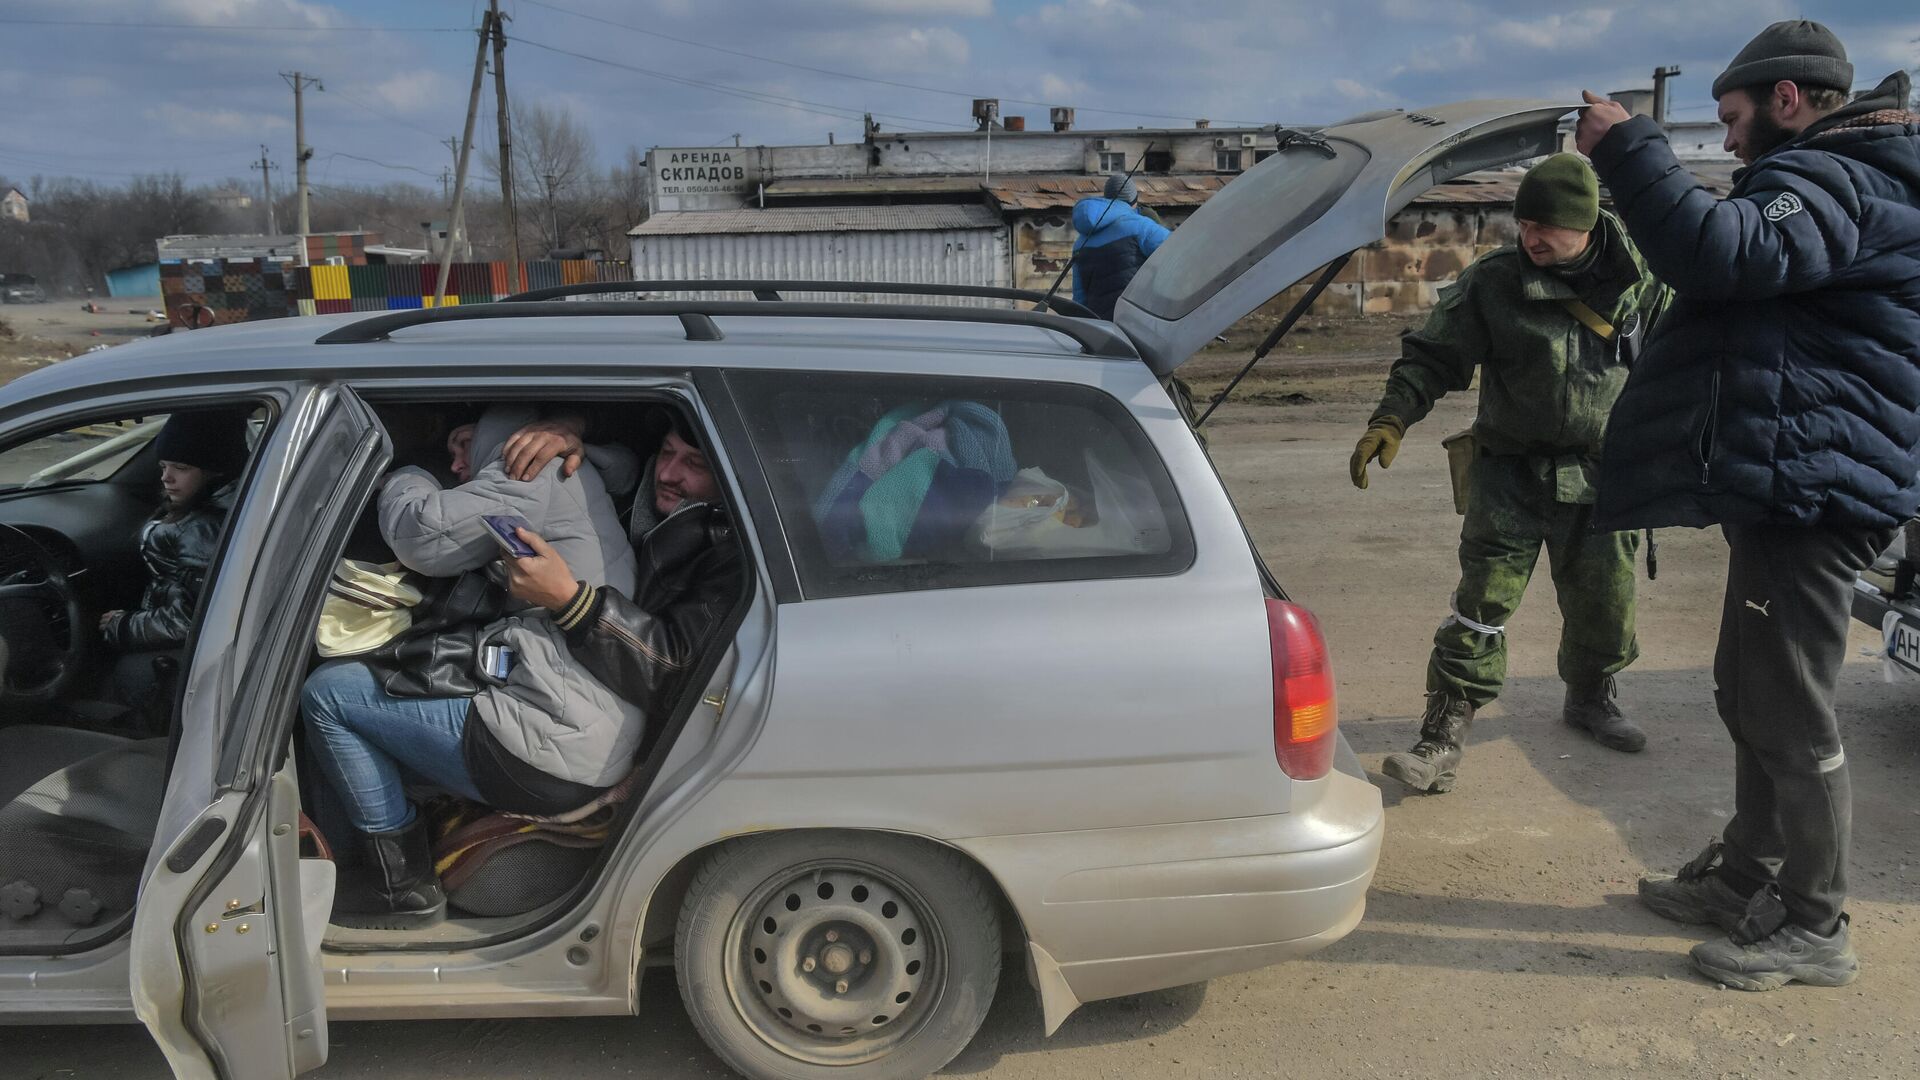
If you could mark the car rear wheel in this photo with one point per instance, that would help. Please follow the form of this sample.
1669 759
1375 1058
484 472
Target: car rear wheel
841 954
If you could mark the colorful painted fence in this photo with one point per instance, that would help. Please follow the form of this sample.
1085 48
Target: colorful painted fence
239 291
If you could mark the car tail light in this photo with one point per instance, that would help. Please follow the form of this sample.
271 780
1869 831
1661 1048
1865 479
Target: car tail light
1304 717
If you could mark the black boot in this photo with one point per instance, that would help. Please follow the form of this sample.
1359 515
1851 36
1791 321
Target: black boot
397 889
1592 710
1432 763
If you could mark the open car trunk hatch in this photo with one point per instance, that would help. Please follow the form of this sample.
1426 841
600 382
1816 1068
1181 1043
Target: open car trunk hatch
1321 196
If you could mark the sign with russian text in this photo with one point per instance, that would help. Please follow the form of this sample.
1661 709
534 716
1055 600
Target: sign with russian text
682 173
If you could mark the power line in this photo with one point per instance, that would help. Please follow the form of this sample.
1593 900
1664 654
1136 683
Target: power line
848 74
384 165
838 112
384 114
9 20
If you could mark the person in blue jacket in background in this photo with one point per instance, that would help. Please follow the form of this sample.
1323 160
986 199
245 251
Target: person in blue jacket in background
1114 241
1115 238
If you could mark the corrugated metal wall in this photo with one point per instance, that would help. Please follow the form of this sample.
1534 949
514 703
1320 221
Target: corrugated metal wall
952 257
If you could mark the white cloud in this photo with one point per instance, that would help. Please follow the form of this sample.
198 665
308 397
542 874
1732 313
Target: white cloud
264 12
1358 91
185 120
976 9
1555 32
412 90
1055 87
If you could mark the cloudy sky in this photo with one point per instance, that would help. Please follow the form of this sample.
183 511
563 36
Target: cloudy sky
194 85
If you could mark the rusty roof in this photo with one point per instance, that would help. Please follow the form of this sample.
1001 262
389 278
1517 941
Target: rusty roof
1061 192
1499 186
811 219
872 185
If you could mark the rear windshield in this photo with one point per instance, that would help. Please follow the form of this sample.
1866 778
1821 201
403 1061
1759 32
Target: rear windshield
896 483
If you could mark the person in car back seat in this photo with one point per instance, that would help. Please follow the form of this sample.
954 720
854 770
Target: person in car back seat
643 641
542 739
201 452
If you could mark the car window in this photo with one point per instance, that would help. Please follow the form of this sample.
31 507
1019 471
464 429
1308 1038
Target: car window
894 483
93 451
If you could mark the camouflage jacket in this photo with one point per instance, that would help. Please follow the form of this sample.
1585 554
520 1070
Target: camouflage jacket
1547 381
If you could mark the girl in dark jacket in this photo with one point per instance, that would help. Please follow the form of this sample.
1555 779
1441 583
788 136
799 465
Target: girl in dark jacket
201 453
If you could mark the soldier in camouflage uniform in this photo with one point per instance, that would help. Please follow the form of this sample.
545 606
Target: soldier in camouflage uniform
1551 324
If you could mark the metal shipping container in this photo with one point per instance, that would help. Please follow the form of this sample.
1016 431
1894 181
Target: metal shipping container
945 245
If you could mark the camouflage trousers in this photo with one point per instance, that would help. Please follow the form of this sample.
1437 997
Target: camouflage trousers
1511 513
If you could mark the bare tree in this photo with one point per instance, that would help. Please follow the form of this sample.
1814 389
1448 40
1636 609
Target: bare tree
553 165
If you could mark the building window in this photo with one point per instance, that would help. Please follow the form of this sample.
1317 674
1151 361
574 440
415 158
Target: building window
1158 161
1113 162
1226 161
1262 155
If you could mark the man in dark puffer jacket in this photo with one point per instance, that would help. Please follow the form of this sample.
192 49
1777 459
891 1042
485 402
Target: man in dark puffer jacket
1781 400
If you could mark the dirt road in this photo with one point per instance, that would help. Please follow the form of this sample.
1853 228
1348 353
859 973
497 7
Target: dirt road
1502 937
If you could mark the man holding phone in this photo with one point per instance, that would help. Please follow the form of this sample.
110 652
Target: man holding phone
641 641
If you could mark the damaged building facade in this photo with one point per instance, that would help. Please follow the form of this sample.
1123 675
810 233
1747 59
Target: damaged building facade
993 206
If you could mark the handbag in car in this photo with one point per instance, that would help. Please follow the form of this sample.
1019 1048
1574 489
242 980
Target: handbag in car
439 655
367 605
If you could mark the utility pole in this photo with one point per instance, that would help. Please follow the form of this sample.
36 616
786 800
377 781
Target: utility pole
1660 77
499 26
466 151
553 209
266 185
302 153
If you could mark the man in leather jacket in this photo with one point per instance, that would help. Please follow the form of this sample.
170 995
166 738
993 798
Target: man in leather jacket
690 574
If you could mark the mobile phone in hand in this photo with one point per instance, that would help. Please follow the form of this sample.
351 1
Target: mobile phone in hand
502 528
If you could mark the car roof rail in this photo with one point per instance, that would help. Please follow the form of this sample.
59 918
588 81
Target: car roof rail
1095 338
770 290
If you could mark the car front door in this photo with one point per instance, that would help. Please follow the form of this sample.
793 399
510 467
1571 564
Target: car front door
227 931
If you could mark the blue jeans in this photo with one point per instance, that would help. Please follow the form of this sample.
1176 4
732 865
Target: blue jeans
369 744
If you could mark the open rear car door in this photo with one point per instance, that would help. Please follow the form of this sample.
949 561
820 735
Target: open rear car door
1322 196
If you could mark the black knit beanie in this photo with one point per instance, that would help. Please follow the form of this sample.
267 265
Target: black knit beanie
1798 50
210 439
1561 191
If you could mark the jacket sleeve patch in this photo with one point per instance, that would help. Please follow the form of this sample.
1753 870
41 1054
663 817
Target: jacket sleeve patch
1787 205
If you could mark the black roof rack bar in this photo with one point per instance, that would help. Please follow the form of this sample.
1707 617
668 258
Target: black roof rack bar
1095 338
771 290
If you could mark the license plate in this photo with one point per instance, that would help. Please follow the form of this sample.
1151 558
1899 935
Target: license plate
1903 645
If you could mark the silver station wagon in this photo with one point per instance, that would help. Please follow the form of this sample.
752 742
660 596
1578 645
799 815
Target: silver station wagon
1010 687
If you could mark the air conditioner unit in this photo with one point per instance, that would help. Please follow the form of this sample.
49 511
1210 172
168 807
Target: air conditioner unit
1219 144
1101 145
1246 140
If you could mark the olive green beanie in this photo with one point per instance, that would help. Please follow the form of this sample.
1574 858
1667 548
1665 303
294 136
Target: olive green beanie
1562 191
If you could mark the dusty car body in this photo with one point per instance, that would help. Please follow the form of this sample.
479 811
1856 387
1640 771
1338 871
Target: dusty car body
1116 756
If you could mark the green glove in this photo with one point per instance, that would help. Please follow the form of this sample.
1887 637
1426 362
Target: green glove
1382 441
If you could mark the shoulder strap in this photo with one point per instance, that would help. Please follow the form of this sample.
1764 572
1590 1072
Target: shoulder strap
1589 318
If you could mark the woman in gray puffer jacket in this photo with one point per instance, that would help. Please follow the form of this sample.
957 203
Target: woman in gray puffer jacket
201 454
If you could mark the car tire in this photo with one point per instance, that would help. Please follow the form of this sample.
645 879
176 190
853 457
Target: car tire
851 955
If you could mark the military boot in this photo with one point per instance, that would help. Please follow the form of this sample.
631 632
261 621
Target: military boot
1432 763
1592 709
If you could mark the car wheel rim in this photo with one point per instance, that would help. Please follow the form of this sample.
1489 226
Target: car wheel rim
835 963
